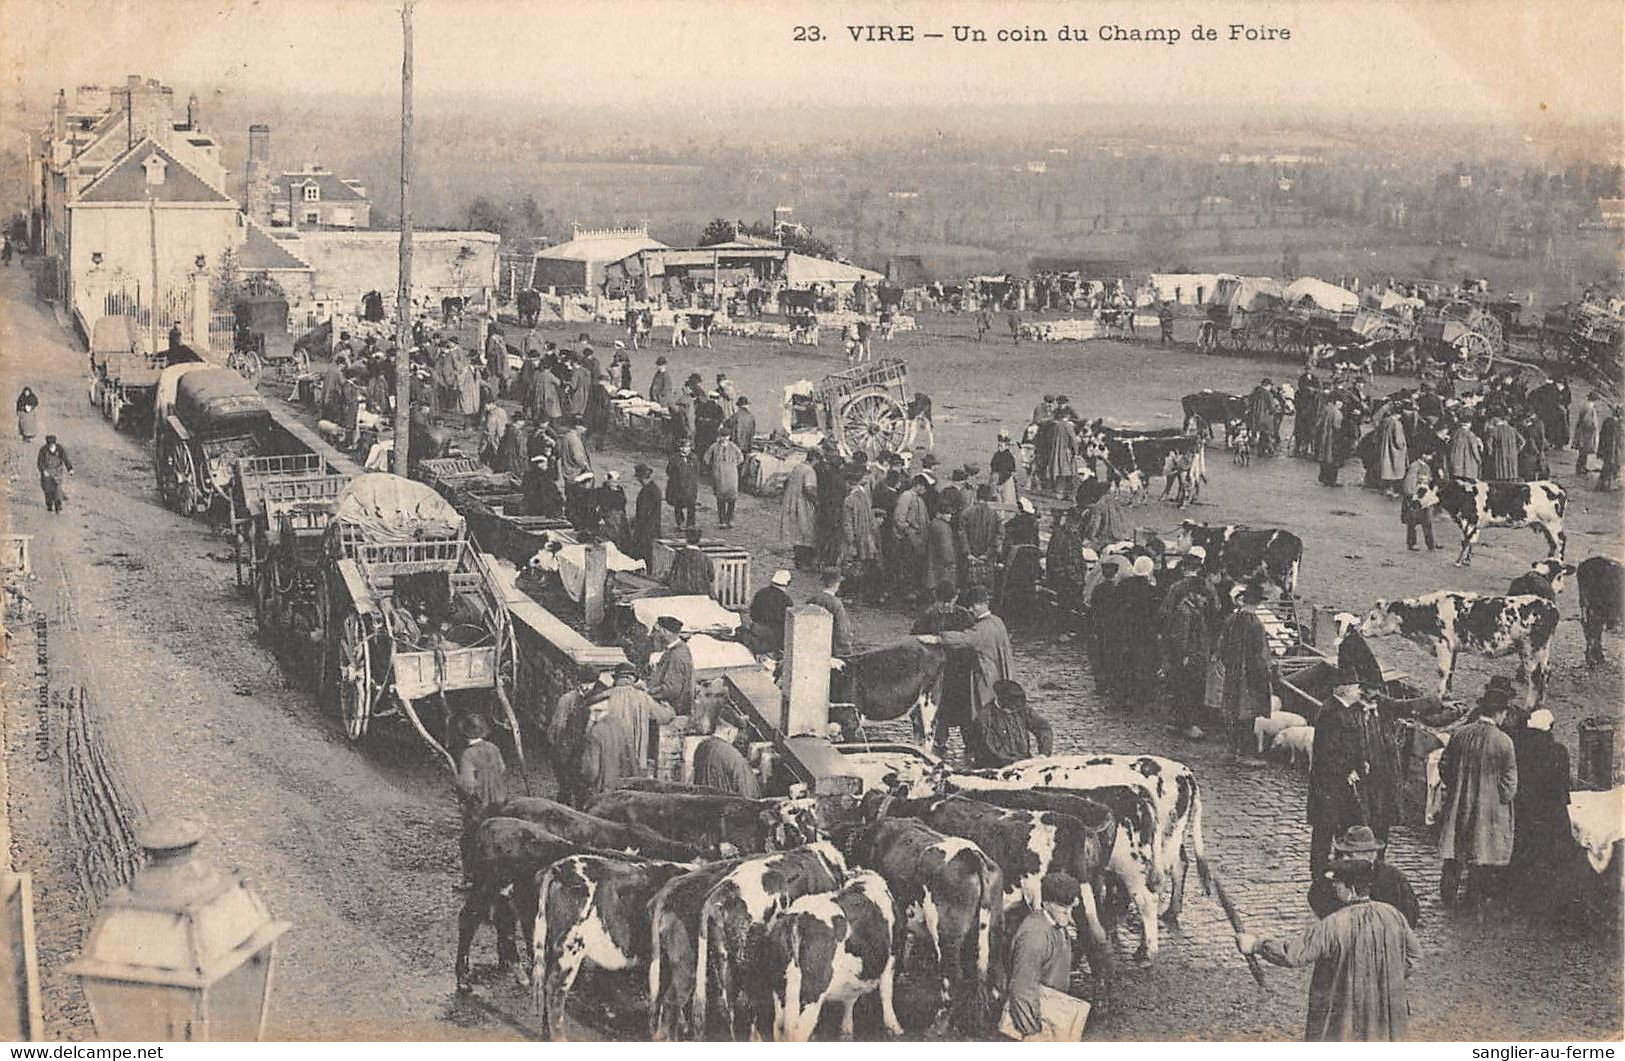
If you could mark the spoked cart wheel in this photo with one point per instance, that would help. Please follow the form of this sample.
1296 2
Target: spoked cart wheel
357 690
506 683
1477 354
873 421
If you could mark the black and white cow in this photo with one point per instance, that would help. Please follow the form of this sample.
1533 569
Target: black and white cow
734 918
1157 802
593 909
1476 504
1545 578
1241 553
674 922
590 831
834 948
956 892
1448 621
1602 601
507 856
1027 844
751 826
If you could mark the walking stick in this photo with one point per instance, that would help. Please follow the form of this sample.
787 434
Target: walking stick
1234 917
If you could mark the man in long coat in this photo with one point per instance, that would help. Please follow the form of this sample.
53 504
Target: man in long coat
1242 659
722 460
1186 619
1329 442
831 491
574 461
742 424
1464 459
1479 771
1058 457
941 555
660 387
1362 952
1354 768
859 550
1541 806
683 485
995 659
1500 450
1586 428
646 514
1391 452
1262 406
798 511
909 522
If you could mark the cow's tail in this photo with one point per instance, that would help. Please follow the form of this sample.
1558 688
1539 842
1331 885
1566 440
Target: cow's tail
538 951
656 949
1198 846
987 913
790 1012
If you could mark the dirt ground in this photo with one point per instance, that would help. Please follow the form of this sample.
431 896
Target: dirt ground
185 711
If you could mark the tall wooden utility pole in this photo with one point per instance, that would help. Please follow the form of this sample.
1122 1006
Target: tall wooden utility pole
403 292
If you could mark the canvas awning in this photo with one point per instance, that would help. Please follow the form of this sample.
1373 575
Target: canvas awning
1328 297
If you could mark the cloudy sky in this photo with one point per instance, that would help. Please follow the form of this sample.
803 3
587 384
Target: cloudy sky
1522 62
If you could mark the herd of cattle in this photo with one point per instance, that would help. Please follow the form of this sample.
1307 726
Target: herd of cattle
750 916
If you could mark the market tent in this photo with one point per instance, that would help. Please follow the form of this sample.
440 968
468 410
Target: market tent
803 269
1328 297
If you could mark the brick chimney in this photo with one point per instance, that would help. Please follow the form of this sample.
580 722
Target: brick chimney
257 185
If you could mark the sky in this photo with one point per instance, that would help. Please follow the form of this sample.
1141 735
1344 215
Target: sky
1525 63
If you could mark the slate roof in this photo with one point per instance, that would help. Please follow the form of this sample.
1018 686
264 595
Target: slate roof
332 188
125 181
261 250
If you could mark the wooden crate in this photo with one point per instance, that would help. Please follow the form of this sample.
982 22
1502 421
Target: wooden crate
730 579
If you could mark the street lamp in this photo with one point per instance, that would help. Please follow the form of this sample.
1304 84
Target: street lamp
184 953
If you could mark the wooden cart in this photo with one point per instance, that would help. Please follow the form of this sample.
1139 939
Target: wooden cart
412 616
865 407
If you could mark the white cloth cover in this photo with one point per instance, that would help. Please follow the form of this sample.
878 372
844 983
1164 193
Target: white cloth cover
697 613
1598 820
571 564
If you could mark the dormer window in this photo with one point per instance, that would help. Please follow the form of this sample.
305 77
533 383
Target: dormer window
313 192
155 168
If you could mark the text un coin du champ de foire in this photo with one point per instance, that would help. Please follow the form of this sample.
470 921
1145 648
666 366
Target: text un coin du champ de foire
1109 33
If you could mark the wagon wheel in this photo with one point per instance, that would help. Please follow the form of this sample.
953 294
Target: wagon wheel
357 690
326 665
506 683
179 484
247 364
873 422
1476 353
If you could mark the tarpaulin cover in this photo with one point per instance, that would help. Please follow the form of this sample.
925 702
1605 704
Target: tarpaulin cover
1326 296
697 613
116 334
216 399
1598 821
163 402
1390 299
388 508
